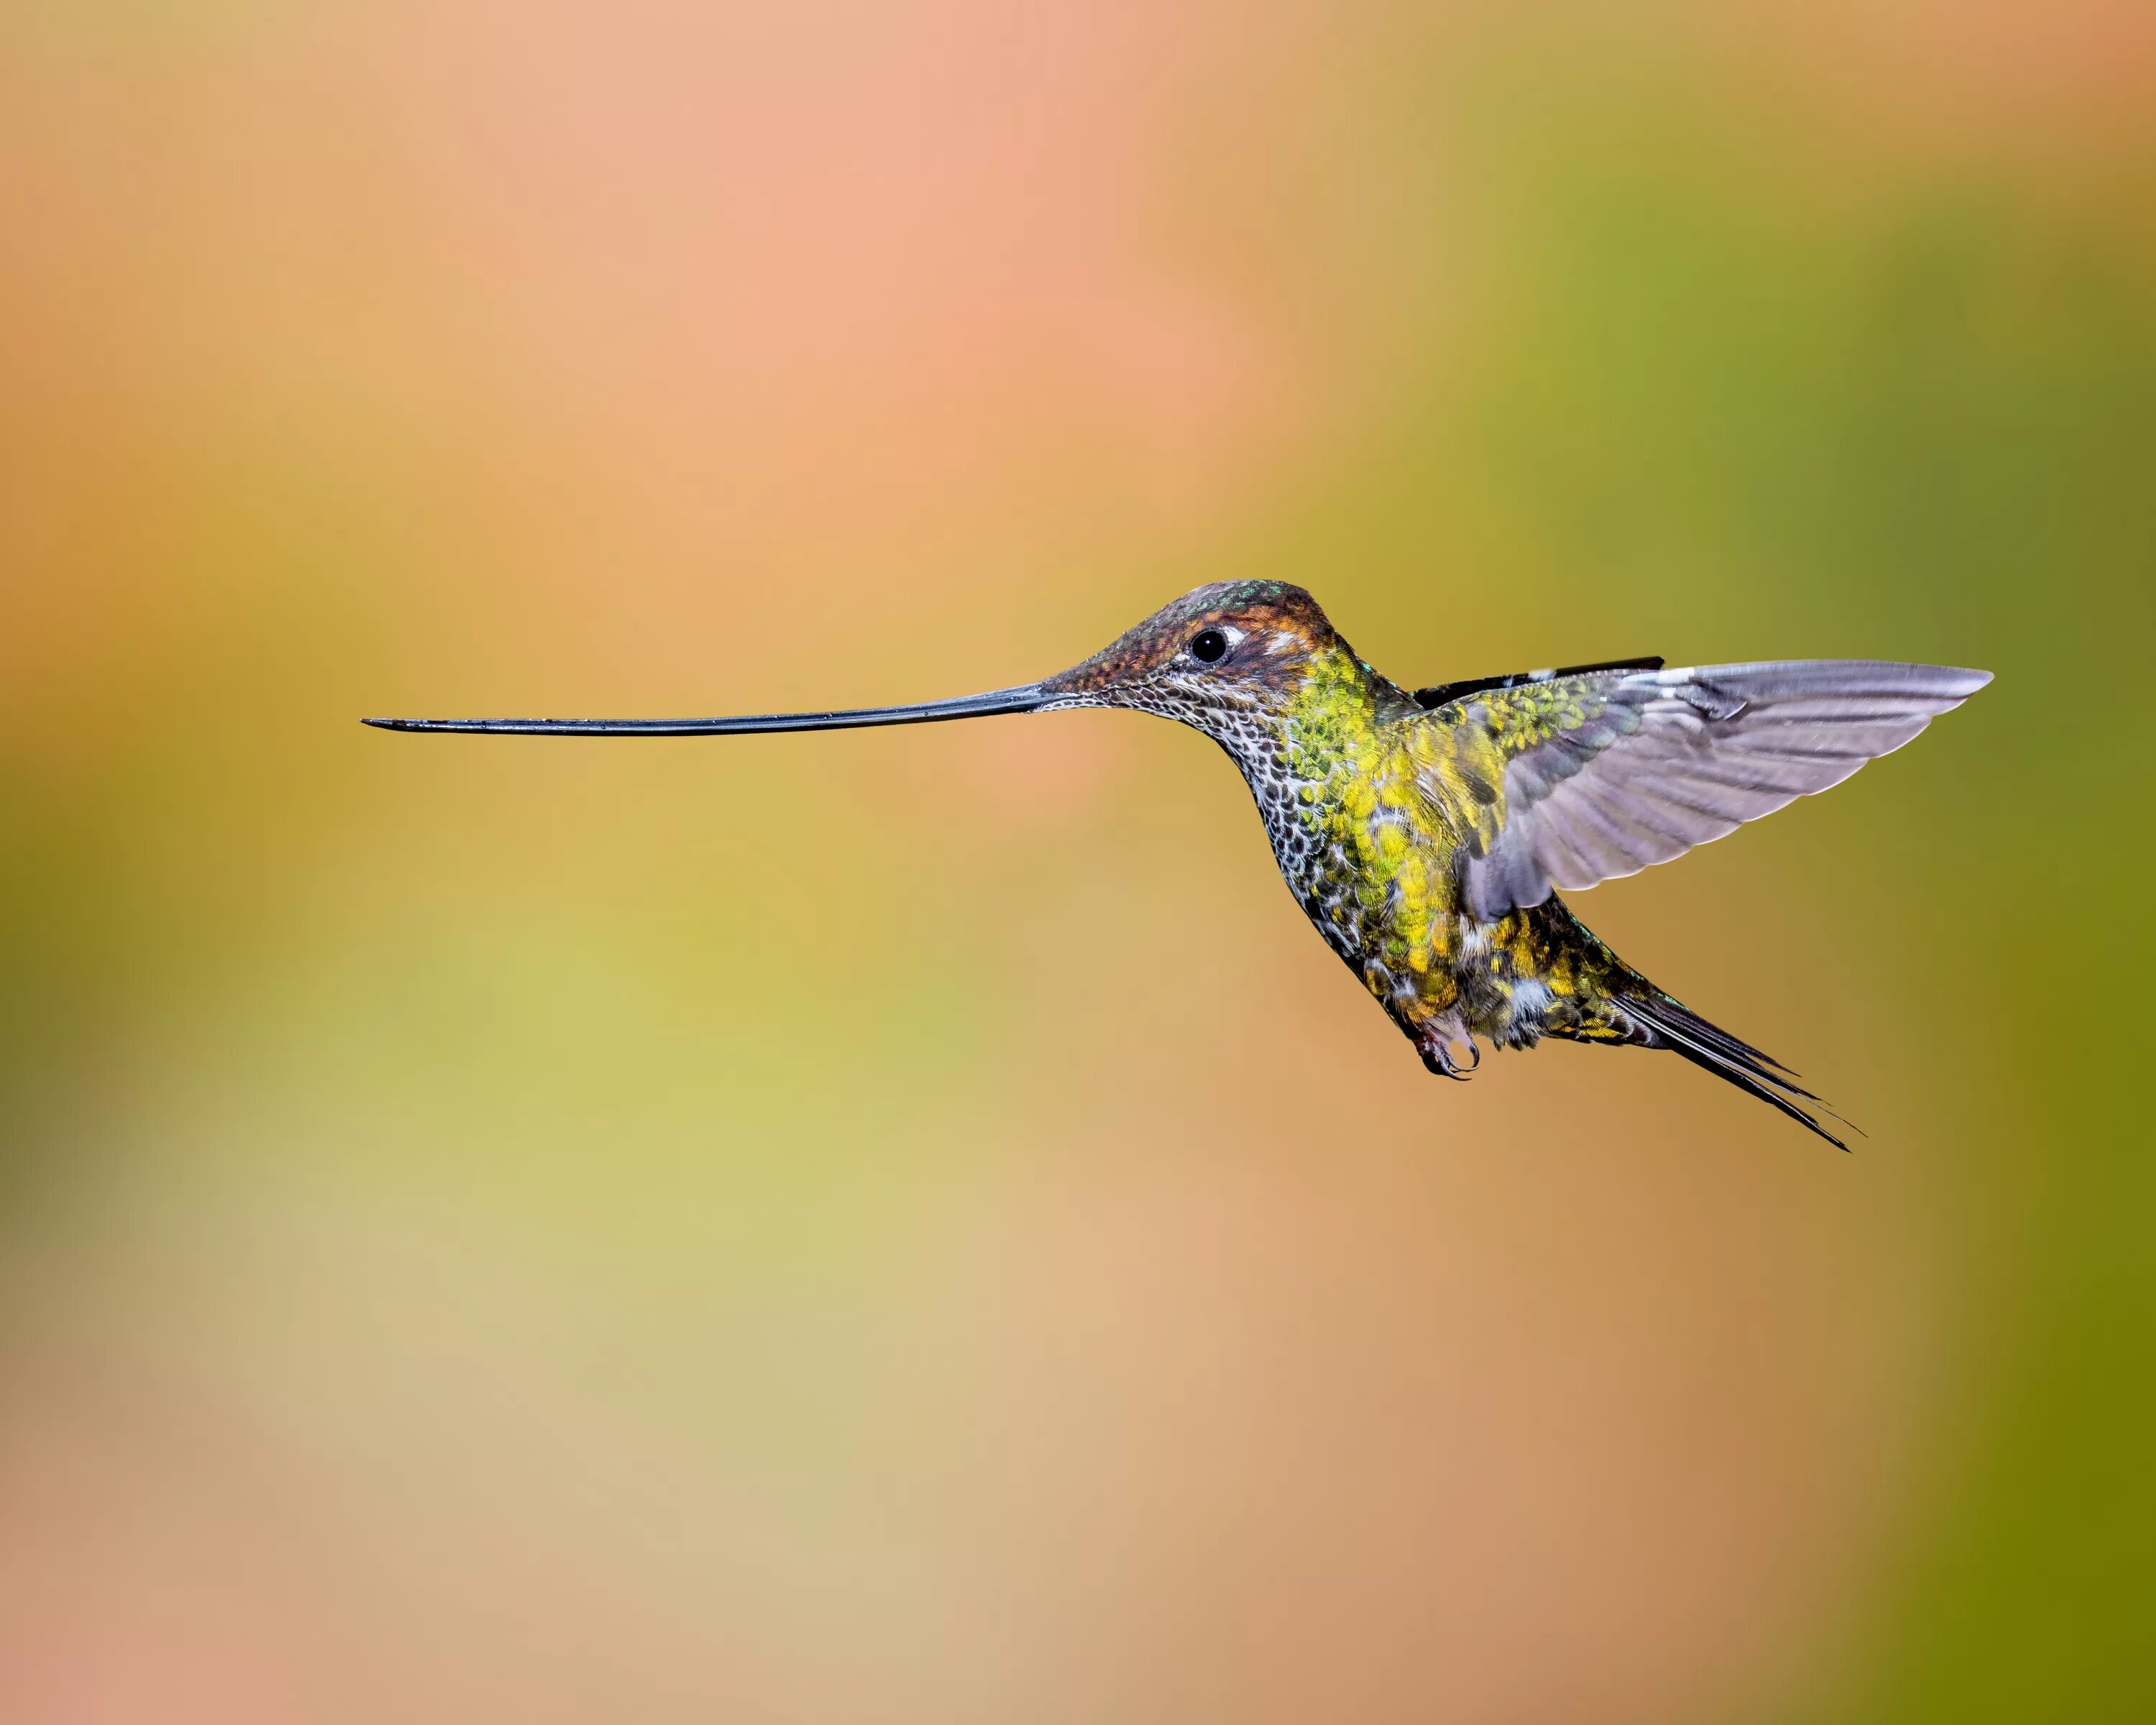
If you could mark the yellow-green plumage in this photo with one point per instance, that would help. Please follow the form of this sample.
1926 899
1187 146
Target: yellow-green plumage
1388 794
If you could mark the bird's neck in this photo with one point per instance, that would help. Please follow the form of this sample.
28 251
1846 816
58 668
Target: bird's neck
1333 717
1324 732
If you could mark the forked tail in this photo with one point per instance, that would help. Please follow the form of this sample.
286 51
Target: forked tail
1669 1024
1551 975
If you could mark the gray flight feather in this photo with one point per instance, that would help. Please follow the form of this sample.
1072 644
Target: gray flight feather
1670 759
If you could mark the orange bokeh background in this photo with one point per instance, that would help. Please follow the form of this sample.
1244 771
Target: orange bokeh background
909 1225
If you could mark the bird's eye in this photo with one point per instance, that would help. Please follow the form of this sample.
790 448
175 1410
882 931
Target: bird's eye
1208 646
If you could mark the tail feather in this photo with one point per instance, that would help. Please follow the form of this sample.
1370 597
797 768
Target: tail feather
1714 1038
1589 995
1675 1027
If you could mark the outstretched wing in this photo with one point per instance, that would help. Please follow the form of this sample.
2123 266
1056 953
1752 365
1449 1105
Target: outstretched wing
1566 781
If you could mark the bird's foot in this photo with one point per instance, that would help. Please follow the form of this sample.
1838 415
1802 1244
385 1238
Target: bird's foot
1436 1047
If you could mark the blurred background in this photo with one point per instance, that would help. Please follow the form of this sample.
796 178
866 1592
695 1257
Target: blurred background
912 1226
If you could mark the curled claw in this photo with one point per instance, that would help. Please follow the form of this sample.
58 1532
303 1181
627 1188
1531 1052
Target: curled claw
1437 1055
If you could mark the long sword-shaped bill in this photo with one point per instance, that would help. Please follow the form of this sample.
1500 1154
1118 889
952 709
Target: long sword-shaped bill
1025 699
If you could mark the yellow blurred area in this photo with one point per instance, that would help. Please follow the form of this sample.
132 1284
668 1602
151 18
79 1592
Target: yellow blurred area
909 1225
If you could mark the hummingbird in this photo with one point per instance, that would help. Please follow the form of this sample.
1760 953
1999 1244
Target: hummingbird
1426 833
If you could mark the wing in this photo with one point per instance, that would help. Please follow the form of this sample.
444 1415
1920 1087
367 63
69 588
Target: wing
1565 781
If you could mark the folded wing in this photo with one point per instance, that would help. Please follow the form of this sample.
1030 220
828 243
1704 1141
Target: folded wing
1563 782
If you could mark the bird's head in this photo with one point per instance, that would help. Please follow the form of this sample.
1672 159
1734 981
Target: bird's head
1223 654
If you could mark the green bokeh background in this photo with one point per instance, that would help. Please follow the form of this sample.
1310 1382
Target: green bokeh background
911 1225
